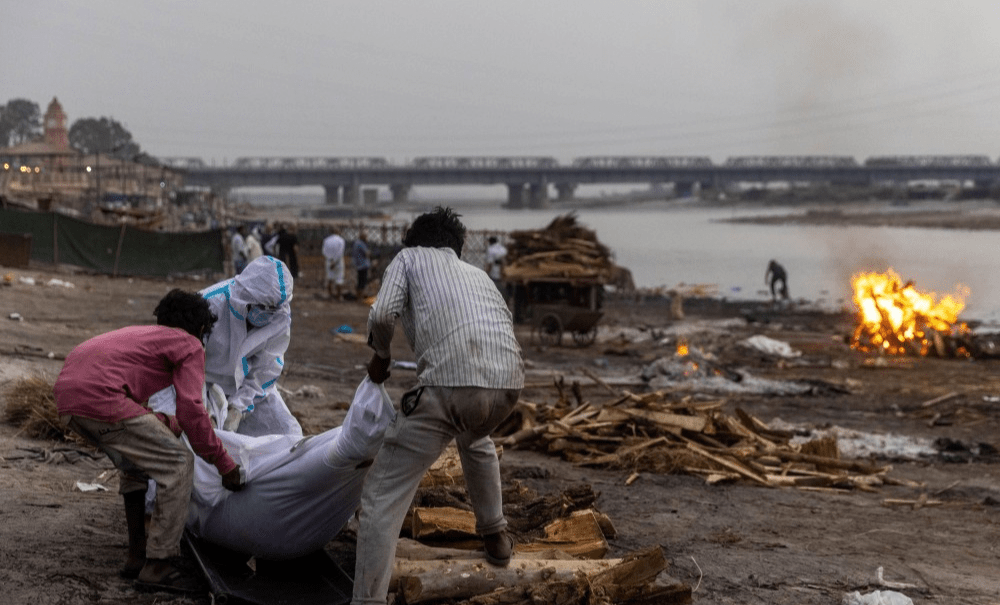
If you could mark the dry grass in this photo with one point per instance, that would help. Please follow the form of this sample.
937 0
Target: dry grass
31 406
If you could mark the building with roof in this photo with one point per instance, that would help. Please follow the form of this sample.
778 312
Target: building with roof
48 173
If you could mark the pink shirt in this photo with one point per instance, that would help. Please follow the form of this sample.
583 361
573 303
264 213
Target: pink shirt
109 378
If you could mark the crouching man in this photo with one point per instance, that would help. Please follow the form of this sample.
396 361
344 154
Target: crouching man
100 394
470 375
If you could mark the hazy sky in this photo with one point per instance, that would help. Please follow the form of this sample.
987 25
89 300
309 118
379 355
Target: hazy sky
224 79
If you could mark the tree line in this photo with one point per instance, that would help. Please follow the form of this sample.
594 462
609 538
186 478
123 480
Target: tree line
21 122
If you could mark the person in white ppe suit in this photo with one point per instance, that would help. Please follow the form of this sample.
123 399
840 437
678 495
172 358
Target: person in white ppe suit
244 354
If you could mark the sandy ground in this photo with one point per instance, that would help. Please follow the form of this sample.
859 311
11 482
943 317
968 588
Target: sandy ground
732 542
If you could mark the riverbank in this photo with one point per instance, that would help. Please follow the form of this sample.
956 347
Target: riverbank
932 522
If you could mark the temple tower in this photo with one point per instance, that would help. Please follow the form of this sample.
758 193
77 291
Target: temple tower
56 133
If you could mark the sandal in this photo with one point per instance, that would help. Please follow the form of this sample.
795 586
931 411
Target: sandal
131 572
175 581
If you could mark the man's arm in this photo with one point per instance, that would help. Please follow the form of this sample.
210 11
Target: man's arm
189 376
388 306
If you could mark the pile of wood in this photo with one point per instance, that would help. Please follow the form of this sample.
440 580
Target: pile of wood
437 575
562 250
658 433
561 542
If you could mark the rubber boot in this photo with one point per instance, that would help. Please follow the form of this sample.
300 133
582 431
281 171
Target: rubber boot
135 520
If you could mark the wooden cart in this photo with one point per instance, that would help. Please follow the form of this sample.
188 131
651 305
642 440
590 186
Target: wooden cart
554 306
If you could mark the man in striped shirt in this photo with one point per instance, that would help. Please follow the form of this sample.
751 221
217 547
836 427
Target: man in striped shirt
470 374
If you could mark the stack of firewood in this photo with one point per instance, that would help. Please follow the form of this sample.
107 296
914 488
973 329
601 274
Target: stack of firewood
559 555
563 250
658 433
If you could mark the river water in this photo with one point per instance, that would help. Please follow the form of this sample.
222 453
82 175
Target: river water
681 246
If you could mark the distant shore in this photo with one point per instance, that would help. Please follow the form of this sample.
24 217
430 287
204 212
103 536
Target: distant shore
978 215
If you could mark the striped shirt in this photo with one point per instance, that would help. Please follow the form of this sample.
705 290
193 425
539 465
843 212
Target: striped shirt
456 321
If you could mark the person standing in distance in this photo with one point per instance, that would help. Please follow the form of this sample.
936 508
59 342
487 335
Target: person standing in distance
470 374
496 257
333 253
774 275
239 250
361 256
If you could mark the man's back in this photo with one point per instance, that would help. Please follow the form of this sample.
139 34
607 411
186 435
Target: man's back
333 246
455 319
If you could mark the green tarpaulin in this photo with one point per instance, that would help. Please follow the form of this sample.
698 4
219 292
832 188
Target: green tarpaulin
115 250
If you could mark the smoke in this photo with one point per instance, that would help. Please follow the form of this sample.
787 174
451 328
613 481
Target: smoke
818 55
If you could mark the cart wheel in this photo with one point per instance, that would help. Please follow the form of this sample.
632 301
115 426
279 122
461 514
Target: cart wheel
550 330
585 337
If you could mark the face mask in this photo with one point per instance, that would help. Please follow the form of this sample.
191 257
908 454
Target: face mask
260 316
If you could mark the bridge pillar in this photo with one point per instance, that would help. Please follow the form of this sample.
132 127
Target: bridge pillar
686 188
352 195
564 191
332 195
515 195
400 193
538 195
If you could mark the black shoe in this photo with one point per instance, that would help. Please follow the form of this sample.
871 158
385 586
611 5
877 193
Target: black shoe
499 548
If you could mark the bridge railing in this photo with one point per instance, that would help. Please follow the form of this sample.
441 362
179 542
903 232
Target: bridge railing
309 163
484 162
800 161
923 161
643 162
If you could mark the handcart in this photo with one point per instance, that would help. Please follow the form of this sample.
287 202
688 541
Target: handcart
554 306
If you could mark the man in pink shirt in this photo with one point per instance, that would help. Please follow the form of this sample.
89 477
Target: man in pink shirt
101 394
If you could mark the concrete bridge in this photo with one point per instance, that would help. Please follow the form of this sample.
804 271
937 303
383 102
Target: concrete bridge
529 179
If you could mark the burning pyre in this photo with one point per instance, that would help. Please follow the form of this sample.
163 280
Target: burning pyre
897 319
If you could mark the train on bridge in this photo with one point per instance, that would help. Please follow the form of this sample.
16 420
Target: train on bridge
353 180
589 162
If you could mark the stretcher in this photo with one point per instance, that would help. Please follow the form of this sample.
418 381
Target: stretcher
238 579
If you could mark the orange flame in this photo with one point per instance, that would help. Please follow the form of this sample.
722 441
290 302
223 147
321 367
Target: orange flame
896 318
682 349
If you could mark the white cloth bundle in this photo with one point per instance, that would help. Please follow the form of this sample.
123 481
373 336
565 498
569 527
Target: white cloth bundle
300 492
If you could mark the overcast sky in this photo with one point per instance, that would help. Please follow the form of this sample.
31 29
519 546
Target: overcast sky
225 79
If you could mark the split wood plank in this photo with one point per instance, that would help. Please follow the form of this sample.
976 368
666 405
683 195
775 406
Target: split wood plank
443 522
580 535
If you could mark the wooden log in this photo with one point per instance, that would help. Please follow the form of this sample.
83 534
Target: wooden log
629 577
580 535
578 590
703 406
674 594
579 414
523 435
534 515
738 428
447 469
668 419
563 592
917 504
760 427
599 380
422 581
937 400
858 467
609 458
413 550
728 463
